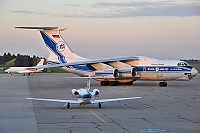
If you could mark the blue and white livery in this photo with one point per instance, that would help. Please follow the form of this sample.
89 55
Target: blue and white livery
115 70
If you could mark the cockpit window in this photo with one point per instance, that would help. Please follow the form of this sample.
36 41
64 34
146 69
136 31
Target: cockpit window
184 64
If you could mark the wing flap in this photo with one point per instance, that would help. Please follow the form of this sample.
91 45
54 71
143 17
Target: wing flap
54 100
113 100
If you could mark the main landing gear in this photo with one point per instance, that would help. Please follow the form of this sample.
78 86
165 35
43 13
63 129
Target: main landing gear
163 84
114 83
99 105
66 105
111 83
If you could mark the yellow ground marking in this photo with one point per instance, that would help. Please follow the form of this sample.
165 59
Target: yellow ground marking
96 115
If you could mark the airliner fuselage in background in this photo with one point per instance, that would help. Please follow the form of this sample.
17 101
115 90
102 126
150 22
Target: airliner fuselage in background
115 70
25 70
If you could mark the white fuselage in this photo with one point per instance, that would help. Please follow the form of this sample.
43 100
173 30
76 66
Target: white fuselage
22 70
83 95
146 69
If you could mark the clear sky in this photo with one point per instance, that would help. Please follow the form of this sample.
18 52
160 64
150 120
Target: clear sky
96 28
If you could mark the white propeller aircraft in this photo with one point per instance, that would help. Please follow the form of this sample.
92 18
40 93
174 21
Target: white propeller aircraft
115 70
84 96
25 70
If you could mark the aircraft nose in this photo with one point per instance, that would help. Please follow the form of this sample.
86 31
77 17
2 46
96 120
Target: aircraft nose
194 72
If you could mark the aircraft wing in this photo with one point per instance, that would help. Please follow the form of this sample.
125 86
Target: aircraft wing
55 100
113 100
90 61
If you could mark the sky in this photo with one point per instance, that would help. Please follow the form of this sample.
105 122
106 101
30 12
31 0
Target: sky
100 29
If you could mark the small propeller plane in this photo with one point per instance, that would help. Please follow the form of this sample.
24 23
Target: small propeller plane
84 96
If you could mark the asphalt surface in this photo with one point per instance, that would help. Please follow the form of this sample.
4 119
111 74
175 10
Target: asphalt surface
171 109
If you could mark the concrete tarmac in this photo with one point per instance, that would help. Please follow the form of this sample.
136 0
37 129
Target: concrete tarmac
171 109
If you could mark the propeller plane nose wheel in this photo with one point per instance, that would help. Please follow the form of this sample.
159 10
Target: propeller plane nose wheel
163 84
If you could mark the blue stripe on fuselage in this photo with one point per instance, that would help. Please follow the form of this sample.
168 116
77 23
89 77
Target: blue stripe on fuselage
162 68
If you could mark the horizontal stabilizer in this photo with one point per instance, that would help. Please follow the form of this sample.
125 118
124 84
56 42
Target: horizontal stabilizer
41 28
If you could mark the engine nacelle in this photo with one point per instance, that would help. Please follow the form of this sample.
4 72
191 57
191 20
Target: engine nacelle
96 92
127 72
75 92
107 73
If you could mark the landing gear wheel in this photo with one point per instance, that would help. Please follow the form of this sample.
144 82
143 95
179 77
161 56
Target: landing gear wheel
68 105
104 83
163 84
99 105
113 83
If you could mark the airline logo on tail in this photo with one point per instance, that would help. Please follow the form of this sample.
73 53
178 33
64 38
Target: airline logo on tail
60 46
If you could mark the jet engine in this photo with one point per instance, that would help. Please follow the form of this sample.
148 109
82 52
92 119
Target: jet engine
127 72
107 73
75 92
96 92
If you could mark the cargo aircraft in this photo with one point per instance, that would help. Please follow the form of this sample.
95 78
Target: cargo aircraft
115 70
84 96
25 70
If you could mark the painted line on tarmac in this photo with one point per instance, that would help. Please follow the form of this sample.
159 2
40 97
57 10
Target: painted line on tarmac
151 130
96 115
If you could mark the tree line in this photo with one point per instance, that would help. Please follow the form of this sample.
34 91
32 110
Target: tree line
191 61
20 60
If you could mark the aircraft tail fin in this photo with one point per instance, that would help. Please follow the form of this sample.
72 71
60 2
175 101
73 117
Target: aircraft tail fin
41 62
59 50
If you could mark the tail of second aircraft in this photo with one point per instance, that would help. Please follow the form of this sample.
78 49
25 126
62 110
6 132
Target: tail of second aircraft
41 62
59 51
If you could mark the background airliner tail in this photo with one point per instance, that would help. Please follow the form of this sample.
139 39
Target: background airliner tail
59 50
41 62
